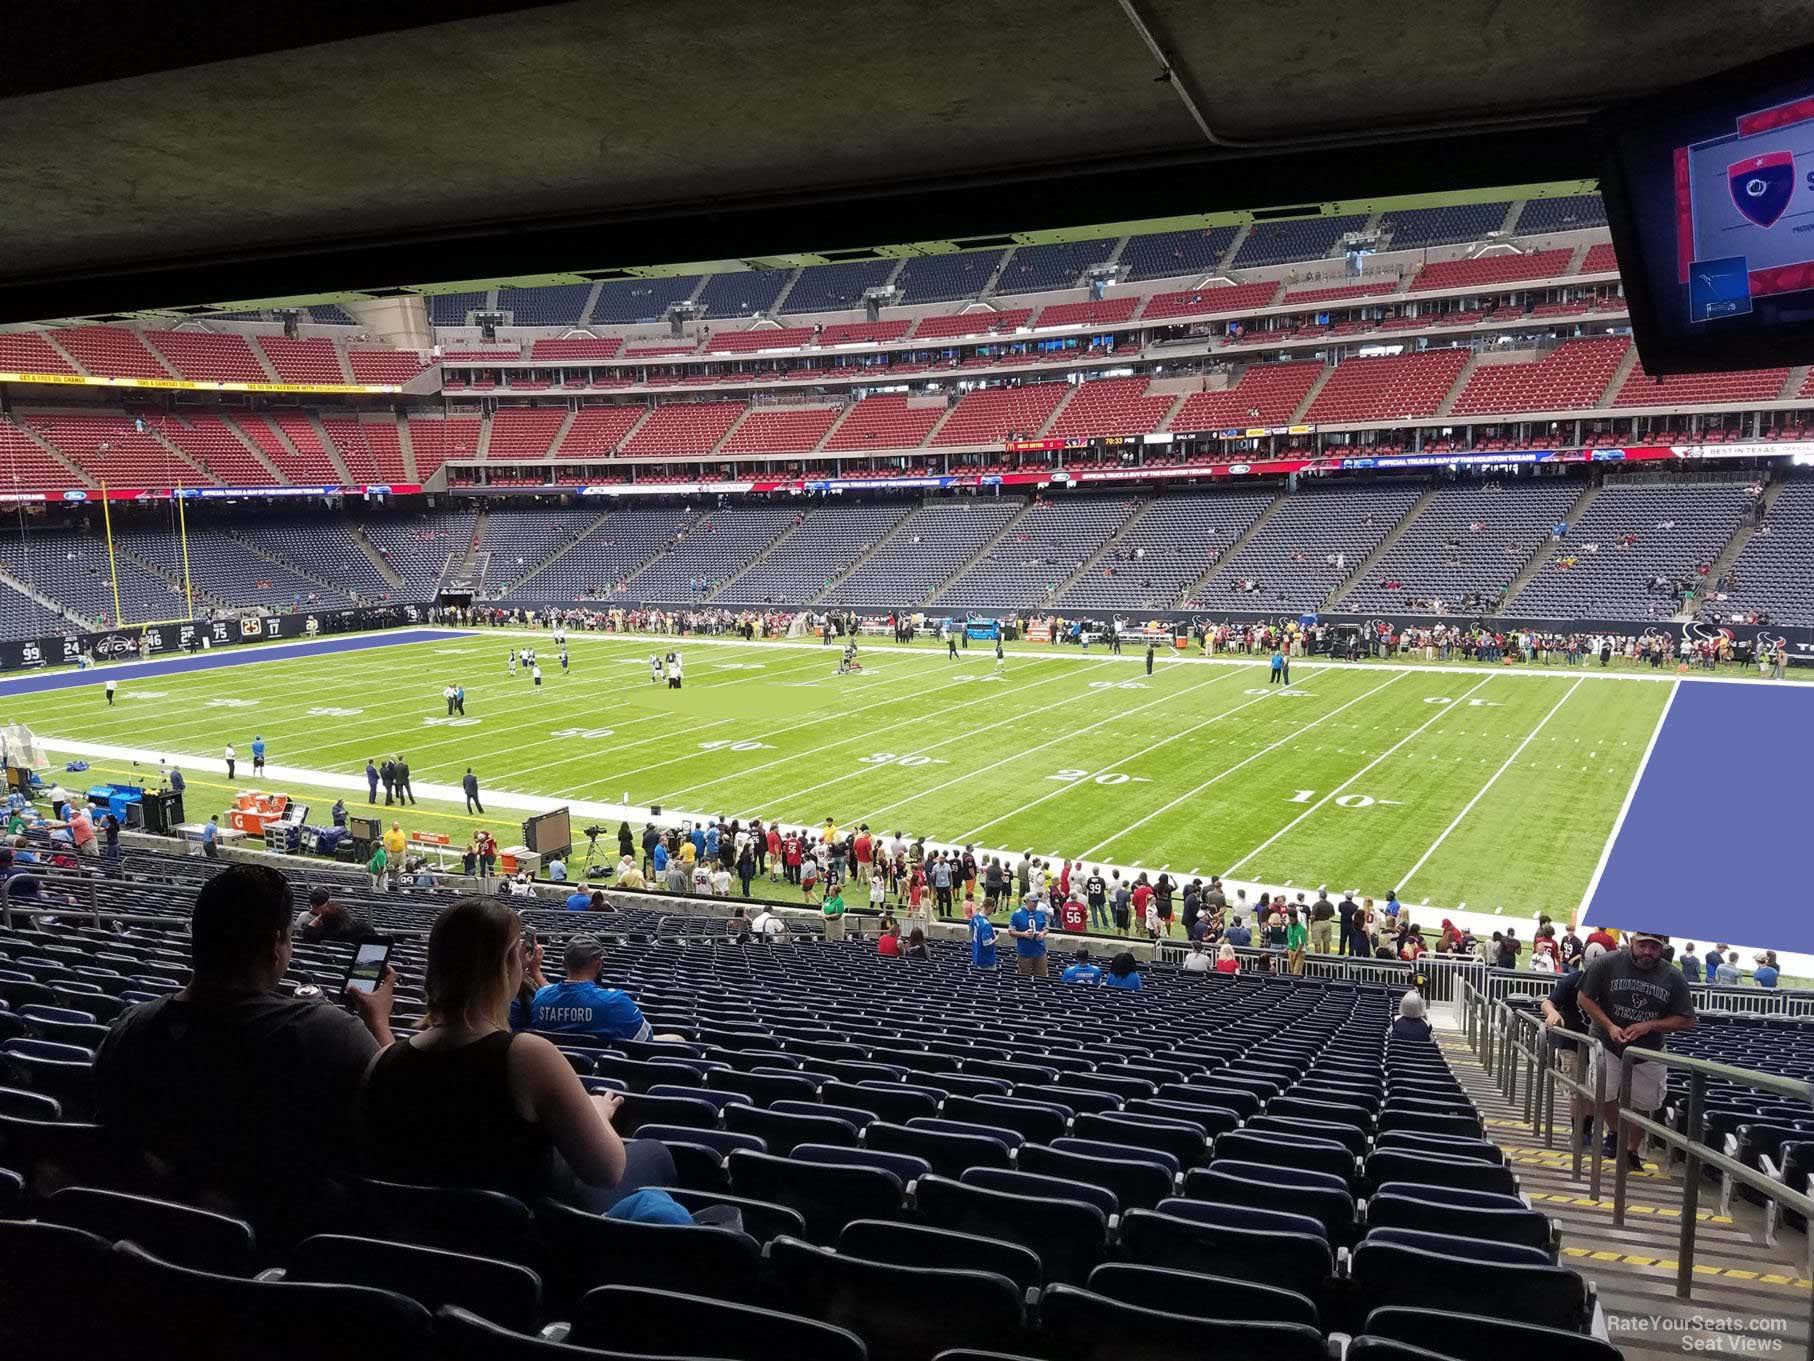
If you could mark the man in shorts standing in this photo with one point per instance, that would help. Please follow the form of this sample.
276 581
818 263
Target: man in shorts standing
1631 997
1028 926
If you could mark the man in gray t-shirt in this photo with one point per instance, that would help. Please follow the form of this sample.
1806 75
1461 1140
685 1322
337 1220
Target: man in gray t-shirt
1632 997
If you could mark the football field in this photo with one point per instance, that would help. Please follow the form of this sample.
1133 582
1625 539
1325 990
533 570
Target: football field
1489 788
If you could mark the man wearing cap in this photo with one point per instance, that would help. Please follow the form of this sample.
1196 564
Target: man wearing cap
1632 998
579 1005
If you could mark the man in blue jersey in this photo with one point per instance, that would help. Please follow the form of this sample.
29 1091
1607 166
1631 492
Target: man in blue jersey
1082 971
1028 927
258 755
580 1006
982 942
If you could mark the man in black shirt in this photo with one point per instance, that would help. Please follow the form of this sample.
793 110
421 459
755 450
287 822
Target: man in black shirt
1632 998
234 1088
1096 890
1353 924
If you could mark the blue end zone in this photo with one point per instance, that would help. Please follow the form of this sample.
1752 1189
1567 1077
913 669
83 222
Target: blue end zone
1720 815
215 658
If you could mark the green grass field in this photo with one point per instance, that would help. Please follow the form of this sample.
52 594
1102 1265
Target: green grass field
1490 788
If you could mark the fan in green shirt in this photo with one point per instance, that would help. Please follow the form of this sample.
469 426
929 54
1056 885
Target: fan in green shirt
1296 936
833 908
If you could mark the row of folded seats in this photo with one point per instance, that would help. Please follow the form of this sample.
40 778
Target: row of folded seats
1243 1209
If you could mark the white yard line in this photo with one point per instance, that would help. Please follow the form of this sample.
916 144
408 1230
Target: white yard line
1637 778
1027 751
1116 764
1292 736
1404 880
1434 718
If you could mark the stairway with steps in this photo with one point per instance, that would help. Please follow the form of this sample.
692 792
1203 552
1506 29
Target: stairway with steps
1740 1283
982 552
1260 522
25 588
331 449
370 549
1619 375
1736 544
1393 535
1459 386
761 557
257 550
560 553
201 594
1297 417
907 510
1545 553
77 478
407 448
1127 526
252 449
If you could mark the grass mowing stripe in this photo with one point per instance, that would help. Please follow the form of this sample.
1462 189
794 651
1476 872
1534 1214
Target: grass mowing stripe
323 755
1191 793
1338 790
1049 742
1631 792
606 688
592 757
373 672
1019 716
1110 767
715 753
1404 880
674 794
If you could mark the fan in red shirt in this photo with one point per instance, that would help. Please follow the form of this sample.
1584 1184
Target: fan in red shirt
1073 917
1598 936
1143 894
861 848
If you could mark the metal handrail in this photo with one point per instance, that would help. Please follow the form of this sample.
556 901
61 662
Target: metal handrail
1500 1035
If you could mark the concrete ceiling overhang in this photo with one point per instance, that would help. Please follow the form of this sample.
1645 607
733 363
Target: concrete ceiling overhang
203 152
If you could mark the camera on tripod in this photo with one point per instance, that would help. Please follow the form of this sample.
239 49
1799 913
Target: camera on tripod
595 831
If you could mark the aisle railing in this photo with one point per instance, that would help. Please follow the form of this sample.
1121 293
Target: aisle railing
1519 1049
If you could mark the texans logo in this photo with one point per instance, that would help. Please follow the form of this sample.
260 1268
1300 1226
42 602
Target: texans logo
1762 185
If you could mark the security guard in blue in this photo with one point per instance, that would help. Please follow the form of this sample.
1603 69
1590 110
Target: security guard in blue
581 1005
